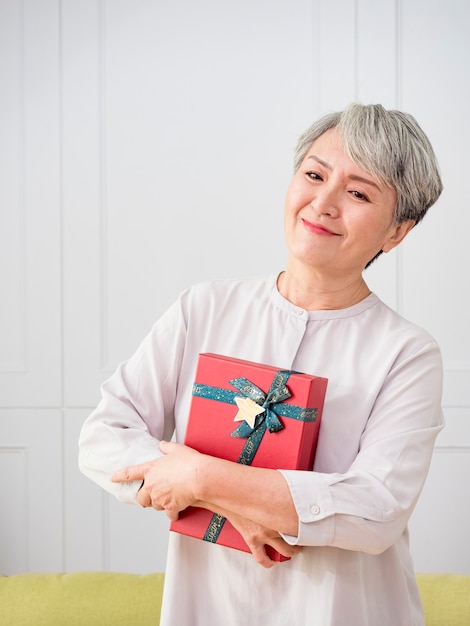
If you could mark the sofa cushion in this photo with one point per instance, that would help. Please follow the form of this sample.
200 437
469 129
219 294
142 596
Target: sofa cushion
446 599
106 598
81 599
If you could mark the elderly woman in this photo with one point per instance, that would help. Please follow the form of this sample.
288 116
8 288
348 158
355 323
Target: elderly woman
364 177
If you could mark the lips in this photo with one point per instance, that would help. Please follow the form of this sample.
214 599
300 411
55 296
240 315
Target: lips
318 229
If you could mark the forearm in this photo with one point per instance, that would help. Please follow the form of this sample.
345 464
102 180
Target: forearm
261 495
183 477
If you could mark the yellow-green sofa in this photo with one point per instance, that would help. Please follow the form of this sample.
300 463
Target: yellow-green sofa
114 599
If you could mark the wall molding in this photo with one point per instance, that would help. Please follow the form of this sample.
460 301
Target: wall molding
457 449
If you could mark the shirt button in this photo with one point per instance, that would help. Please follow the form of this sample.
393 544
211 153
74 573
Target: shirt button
315 509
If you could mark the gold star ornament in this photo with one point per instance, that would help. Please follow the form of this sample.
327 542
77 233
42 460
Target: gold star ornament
248 410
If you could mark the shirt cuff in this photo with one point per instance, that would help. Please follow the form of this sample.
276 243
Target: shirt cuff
312 499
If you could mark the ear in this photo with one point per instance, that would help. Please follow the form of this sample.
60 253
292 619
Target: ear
399 232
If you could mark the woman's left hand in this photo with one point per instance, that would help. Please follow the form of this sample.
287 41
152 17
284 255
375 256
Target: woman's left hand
169 481
258 538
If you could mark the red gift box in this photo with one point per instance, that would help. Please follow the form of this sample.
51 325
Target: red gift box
283 436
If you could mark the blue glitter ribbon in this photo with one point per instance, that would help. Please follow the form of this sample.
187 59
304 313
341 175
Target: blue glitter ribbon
273 405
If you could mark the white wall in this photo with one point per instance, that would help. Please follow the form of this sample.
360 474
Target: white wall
147 145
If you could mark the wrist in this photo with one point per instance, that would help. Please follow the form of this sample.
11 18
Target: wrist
205 478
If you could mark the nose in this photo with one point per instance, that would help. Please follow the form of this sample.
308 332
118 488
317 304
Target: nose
325 200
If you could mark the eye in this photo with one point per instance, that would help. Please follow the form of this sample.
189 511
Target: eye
359 195
314 175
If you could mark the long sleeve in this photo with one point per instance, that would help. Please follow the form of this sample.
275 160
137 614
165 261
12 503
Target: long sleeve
367 507
136 409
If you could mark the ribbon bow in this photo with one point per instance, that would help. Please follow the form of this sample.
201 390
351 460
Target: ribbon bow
277 393
272 403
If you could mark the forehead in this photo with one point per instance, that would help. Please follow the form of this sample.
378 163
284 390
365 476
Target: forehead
331 142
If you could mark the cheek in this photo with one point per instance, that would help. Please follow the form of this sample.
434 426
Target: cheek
295 202
368 233
371 221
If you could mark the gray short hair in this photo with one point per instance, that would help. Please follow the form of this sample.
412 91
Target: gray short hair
389 145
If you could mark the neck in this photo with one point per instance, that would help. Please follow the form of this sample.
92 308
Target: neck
313 291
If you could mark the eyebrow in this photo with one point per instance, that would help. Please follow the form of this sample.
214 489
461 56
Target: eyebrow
361 179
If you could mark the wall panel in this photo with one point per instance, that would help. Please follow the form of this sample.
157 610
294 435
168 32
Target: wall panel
101 533
30 323
31 491
14 525
83 175
439 525
138 538
84 506
13 311
377 52
335 70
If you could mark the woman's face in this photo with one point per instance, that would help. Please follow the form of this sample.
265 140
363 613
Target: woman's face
337 216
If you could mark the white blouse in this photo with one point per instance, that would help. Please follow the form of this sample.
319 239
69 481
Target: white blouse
381 416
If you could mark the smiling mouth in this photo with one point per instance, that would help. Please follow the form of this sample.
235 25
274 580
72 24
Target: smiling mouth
318 229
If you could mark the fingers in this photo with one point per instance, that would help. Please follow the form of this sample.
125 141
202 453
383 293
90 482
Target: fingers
138 472
132 472
171 514
143 497
129 474
285 549
260 555
263 541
